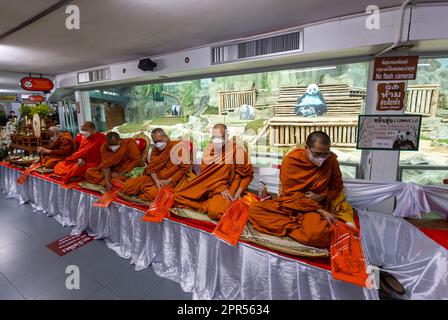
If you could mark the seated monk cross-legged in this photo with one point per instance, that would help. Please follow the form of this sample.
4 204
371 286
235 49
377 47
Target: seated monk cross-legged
87 155
118 157
225 174
310 179
62 145
163 169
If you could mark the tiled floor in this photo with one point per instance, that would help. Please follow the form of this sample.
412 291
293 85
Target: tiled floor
28 270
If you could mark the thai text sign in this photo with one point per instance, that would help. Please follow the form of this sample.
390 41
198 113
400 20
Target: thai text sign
391 96
391 132
395 68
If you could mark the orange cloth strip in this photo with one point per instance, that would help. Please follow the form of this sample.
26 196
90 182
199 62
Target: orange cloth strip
347 259
232 223
161 205
70 185
106 199
22 179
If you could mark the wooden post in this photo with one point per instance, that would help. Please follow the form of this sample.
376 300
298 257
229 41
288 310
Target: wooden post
434 102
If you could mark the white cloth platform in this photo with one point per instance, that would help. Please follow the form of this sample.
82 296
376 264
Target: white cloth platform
211 269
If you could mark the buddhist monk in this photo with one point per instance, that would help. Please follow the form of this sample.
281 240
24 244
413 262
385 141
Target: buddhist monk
225 174
310 179
162 169
118 157
87 155
62 145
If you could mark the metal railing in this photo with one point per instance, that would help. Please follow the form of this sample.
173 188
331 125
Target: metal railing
402 168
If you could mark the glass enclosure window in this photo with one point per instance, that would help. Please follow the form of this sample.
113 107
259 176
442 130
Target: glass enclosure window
269 111
68 115
428 96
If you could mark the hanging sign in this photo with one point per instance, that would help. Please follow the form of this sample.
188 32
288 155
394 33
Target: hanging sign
36 99
390 132
395 68
36 84
9 98
391 96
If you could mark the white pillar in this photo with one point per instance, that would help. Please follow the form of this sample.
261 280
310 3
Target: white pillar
379 165
83 100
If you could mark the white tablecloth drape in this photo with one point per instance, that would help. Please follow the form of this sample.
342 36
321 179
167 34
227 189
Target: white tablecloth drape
211 269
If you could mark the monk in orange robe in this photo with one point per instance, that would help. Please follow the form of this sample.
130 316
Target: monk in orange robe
310 179
87 155
118 157
162 169
225 174
62 145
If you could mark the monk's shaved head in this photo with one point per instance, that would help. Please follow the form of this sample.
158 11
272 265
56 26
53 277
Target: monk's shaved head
220 130
158 130
52 130
89 125
318 137
220 126
112 135
158 135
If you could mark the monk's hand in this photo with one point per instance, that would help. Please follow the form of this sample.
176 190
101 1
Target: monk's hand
159 184
43 150
81 162
226 194
238 193
114 174
109 185
313 196
327 215
166 181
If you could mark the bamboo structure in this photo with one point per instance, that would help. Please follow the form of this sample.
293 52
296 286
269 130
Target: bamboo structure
230 100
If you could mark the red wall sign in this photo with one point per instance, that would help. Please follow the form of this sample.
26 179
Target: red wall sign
35 99
36 84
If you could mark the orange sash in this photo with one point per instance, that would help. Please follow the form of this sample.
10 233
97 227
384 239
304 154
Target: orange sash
347 260
22 179
69 185
106 199
160 207
234 220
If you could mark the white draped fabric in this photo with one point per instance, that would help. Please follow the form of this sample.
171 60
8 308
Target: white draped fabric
211 269
413 200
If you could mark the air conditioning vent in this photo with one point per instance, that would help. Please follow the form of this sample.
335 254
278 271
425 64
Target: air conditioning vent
257 48
94 75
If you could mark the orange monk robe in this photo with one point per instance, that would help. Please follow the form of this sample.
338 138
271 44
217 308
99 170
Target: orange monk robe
160 163
89 151
126 158
294 215
229 170
59 150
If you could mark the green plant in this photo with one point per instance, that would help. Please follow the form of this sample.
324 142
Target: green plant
25 109
255 125
42 110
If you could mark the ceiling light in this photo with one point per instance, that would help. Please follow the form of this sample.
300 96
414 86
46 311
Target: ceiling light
310 69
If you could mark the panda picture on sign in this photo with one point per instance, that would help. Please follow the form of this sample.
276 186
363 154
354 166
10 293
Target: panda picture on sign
311 103
403 141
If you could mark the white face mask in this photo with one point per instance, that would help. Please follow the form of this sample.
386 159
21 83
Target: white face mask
218 142
160 145
114 148
54 138
317 161
85 133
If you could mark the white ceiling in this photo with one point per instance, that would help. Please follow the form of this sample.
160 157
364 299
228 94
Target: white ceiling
120 30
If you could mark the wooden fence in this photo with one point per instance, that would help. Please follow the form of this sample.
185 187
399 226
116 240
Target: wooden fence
287 131
230 100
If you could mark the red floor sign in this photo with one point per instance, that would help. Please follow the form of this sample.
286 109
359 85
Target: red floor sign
69 243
